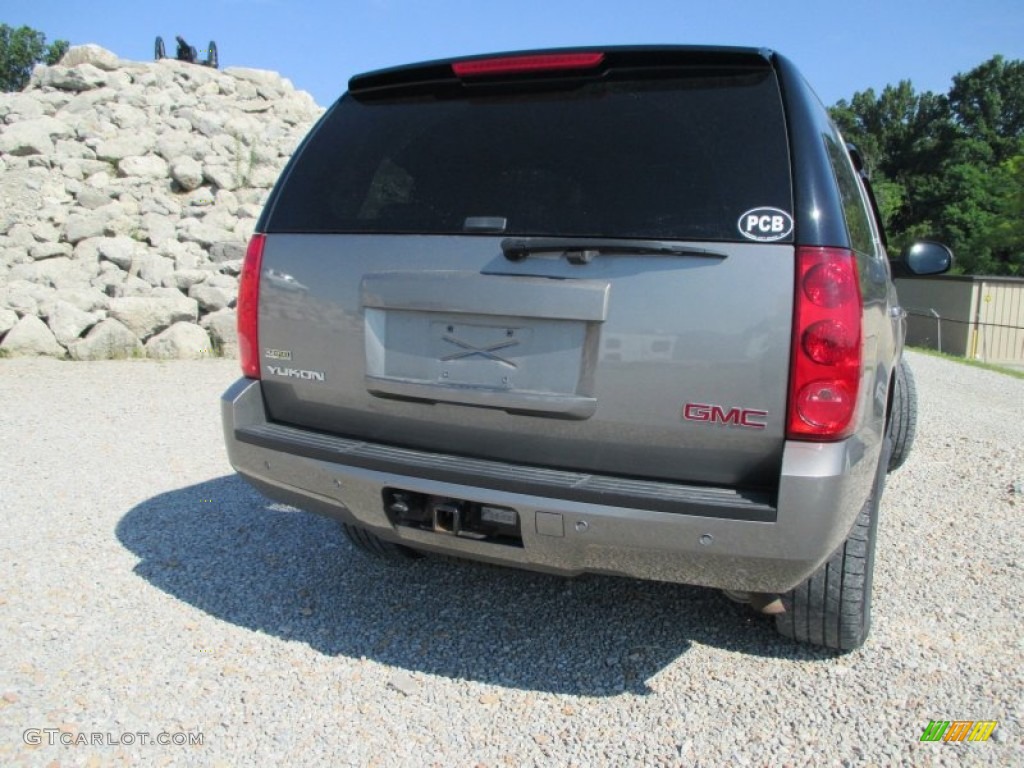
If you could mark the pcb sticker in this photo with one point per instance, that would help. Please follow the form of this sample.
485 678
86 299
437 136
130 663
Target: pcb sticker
766 225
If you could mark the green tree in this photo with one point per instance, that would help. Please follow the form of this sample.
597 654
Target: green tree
949 167
1011 228
988 105
20 50
900 133
985 209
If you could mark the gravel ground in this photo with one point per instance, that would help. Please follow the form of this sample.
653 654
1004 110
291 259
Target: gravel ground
146 590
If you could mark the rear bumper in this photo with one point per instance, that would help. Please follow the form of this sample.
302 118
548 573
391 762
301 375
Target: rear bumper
570 523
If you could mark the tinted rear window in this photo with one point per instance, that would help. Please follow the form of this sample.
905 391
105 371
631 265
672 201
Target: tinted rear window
681 157
854 212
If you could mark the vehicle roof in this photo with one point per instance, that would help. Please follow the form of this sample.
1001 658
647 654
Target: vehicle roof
616 55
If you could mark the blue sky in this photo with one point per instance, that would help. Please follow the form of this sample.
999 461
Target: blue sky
318 45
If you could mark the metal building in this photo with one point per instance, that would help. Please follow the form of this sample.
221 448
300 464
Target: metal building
970 316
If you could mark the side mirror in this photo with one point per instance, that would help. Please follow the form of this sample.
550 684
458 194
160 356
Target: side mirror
924 257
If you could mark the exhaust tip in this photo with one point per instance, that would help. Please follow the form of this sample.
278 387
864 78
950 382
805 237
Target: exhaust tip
767 603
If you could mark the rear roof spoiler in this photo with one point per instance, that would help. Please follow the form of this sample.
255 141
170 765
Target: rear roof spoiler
650 58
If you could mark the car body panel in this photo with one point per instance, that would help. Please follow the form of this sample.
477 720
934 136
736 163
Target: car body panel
818 500
662 332
629 408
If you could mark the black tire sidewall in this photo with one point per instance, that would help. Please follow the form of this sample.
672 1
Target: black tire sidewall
798 609
902 427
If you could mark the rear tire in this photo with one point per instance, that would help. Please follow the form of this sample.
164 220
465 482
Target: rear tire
159 51
376 546
832 608
903 416
211 55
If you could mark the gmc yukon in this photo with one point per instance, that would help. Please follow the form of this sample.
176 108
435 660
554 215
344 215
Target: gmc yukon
619 310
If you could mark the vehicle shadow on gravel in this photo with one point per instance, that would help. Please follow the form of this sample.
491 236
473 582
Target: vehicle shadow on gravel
232 553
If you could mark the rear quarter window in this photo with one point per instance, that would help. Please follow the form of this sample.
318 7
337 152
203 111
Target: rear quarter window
854 210
677 157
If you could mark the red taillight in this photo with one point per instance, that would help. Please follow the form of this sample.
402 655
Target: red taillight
826 368
248 308
542 62
829 284
827 342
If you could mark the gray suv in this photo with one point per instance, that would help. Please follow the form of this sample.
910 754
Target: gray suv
618 310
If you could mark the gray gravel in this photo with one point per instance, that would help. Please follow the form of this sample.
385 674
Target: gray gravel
146 589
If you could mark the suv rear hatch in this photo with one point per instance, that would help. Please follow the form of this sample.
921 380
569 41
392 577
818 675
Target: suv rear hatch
579 260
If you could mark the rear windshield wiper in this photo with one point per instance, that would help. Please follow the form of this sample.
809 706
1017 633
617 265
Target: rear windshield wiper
583 250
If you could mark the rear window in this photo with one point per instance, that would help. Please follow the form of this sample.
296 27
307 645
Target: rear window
678 157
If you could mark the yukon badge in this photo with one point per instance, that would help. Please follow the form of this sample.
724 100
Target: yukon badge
716 414
296 373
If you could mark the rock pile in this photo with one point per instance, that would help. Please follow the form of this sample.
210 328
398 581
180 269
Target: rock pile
128 191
